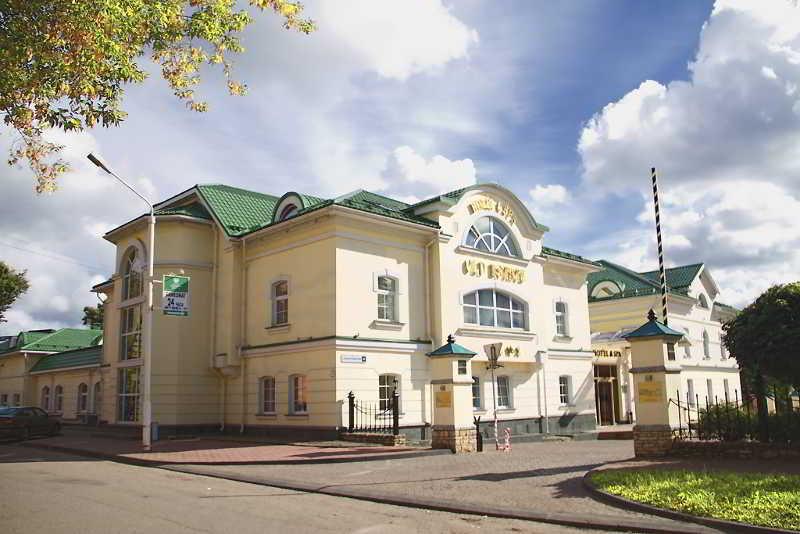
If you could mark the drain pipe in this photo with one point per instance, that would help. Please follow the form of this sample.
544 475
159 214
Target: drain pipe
542 359
242 335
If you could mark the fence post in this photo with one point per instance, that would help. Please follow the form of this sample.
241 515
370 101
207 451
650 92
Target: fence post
678 403
351 411
395 413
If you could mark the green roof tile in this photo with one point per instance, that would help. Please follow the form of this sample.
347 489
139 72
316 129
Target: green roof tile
195 209
451 348
677 277
14 343
72 358
653 328
568 256
238 210
65 339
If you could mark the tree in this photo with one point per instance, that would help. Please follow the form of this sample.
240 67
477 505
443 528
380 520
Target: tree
65 62
93 316
12 285
765 336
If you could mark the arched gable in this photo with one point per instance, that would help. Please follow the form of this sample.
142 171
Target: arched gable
288 206
498 201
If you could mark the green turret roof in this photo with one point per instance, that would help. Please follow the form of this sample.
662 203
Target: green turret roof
653 328
451 348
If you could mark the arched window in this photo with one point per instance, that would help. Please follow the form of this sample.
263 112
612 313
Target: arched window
387 298
45 402
387 384
83 398
605 289
267 394
298 394
706 345
131 276
488 307
58 404
288 211
490 235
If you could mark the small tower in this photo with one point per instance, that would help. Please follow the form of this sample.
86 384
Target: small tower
451 383
656 373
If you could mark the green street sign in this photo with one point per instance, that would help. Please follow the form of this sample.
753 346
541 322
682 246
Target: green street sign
175 297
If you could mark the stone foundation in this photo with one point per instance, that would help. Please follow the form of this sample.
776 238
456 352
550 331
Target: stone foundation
456 439
745 450
651 440
381 439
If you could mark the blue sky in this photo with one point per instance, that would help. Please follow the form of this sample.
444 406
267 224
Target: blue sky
566 103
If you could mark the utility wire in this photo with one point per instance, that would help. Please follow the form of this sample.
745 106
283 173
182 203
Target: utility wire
65 259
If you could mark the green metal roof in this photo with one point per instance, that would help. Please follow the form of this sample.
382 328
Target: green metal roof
633 284
653 328
677 277
568 256
195 209
73 358
65 339
238 210
451 348
14 343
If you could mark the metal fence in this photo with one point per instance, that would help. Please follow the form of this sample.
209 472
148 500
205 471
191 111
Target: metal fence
738 419
382 417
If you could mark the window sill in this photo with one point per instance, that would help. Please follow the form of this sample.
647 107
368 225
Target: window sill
562 339
269 415
278 328
133 362
489 255
488 331
300 415
506 410
380 324
565 406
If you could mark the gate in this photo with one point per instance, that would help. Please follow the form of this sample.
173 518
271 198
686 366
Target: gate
372 417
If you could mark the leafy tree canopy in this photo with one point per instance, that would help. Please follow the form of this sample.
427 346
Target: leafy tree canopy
93 316
12 285
765 337
64 62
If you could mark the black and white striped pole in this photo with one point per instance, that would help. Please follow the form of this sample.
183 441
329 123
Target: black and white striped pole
661 268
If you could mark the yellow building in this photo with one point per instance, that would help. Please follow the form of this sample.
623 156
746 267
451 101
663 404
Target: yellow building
619 300
296 301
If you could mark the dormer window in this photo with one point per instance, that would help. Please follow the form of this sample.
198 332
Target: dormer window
490 235
605 289
290 210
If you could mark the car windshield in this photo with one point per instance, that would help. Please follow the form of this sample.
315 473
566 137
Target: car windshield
8 411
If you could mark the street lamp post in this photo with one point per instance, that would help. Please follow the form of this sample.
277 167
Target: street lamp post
493 354
147 414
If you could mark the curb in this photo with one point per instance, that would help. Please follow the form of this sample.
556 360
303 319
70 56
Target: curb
627 504
161 463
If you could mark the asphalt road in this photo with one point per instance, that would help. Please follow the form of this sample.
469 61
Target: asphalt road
43 492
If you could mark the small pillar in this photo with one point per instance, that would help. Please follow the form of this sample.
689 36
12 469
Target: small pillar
655 372
451 384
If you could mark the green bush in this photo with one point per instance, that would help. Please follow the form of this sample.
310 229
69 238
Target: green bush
771 500
729 423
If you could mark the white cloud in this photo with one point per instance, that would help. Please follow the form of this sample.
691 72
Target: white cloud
411 175
549 195
398 39
725 145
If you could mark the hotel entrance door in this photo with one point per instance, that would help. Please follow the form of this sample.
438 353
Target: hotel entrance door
606 394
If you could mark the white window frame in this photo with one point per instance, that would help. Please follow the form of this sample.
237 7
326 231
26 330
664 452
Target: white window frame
726 388
491 246
710 390
706 345
130 272
385 390
687 349
476 388
564 315
129 395
83 398
390 310
509 400
275 299
565 390
478 307
295 406
268 396
132 337
58 398
671 352
690 392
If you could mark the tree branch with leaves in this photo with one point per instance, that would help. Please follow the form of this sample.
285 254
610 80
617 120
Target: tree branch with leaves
65 62
12 285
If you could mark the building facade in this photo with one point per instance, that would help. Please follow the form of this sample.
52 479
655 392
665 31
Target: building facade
296 301
619 300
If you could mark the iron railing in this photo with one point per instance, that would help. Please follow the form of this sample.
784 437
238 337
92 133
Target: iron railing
382 417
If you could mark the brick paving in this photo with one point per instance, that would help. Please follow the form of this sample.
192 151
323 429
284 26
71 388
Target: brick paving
218 451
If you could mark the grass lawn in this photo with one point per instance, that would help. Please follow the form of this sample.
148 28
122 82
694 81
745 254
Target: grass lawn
771 500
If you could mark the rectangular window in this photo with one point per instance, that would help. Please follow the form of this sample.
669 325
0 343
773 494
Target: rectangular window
710 388
462 367
725 387
268 394
564 393
128 406
16 399
671 352
476 393
723 353
4 399
690 392
561 319
503 392
280 303
687 350
131 333
386 387
298 400
387 292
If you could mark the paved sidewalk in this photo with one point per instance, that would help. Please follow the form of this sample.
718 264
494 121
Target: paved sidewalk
219 451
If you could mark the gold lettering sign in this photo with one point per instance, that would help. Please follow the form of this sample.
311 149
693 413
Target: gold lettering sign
603 353
651 392
444 399
489 204
493 271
